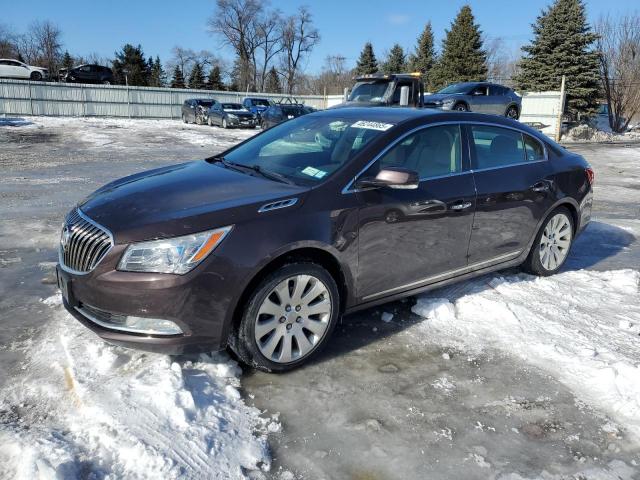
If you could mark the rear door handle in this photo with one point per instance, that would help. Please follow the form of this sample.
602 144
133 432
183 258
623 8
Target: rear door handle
540 187
460 206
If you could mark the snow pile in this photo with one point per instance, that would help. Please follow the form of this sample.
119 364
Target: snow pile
587 133
83 409
581 326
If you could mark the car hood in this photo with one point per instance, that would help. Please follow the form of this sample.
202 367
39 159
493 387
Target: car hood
181 199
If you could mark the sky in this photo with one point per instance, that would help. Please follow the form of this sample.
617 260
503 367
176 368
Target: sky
102 27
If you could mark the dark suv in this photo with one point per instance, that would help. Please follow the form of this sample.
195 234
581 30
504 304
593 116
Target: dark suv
87 74
196 110
263 247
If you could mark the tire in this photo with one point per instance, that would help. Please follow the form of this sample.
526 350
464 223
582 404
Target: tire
512 113
224 123
274 341
460 107
209 122
184 119
37 76
552 244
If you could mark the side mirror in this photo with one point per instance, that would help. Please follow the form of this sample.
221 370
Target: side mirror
404 96
391 177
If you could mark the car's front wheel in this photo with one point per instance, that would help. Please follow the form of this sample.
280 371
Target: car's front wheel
224 123
184 118
288 318
460 107
36 76
210 122
552 244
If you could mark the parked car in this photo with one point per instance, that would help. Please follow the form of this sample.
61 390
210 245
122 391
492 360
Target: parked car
10 68
264 246
281 112
228 115
196 110
256 105
86 74
481 97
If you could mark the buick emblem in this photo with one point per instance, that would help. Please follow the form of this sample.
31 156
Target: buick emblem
66 235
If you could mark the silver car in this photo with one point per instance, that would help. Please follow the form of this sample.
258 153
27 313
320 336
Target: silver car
480 97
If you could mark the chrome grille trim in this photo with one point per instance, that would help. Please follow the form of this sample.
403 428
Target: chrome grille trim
87 243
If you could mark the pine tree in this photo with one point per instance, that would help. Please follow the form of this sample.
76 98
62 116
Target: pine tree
462 59
367 62
67 60
130 63
424 57
396 61
196 77
214 82
178 80
562 45
273 85
158 77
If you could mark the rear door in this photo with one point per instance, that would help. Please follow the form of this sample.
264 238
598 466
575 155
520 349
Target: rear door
409 238
497 100
514 190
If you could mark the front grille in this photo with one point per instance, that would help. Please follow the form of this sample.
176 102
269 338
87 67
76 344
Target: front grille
83 243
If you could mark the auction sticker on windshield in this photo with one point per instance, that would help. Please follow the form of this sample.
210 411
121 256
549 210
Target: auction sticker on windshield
372 125
314 172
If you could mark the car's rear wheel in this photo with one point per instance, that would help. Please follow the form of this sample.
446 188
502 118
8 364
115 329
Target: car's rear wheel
288 318
35 76
460 107
512 113
552 244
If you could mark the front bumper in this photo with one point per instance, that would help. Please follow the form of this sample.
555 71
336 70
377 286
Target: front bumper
242 122
186 300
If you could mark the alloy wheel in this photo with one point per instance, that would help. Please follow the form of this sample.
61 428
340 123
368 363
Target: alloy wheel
460 107
293 318
224 123
555 242
512 113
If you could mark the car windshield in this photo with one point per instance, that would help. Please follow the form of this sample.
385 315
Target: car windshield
306 150
259 102
369 91
205 103
232 106
457 88
293 110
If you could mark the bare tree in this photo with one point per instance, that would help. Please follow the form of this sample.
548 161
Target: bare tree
618 44
183 58
236 21
298 39
501 62
41 45
269 43
8 47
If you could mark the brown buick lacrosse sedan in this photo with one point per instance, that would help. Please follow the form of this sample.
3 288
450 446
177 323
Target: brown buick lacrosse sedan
263 247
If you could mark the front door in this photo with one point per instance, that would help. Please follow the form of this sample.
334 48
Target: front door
514 191
408 238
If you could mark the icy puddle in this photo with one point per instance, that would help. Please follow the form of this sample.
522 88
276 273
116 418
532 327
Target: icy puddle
83 409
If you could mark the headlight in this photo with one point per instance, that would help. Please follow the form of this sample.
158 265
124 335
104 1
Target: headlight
232 116
172 255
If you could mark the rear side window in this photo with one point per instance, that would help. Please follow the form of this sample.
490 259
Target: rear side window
432 152
496 147
533 149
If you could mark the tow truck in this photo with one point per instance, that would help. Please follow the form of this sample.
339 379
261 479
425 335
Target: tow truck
385 90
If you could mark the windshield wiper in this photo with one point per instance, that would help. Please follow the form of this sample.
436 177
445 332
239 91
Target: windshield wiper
259 170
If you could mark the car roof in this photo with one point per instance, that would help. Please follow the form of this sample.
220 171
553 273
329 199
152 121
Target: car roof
13 60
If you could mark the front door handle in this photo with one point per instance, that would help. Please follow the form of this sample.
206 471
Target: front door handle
460 206
540 187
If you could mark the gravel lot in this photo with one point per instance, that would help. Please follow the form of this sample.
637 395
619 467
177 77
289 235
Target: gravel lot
500 377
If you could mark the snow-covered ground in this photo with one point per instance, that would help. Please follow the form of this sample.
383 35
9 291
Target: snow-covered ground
83 409
506 376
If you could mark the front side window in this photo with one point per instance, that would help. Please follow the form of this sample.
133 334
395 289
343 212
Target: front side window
306 150
432 152
496 146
